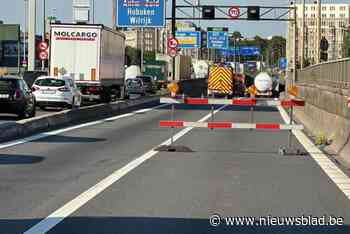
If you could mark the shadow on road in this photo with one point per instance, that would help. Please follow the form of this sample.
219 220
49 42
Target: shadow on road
7 159
69 139
145 225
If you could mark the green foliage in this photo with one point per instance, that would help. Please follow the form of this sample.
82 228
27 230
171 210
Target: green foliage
132 56
276 49
149 56
271 50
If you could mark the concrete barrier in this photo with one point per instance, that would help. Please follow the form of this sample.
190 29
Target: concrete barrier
326 113
13 130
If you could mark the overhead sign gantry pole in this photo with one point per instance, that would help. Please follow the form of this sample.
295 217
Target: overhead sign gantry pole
31 34
173 31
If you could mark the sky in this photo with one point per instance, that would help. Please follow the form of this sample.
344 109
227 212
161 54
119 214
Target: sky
12 11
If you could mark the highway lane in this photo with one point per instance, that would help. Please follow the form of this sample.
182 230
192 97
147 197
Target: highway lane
39 177
231 172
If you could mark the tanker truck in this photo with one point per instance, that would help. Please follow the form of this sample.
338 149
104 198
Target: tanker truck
265 86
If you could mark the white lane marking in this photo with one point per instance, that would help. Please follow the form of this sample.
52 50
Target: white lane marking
332 171
59 131
59 215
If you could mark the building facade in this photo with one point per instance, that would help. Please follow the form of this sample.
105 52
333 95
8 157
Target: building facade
148 38
335 20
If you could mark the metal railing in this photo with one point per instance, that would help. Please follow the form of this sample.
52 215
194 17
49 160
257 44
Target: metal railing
334 73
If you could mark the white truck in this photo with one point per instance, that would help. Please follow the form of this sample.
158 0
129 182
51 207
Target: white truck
183 68
201 69
132 72
93 55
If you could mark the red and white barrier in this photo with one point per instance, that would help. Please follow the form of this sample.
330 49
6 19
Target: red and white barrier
235 102
348 102
229 125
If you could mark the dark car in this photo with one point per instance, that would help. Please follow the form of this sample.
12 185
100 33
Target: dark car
148 83
16 97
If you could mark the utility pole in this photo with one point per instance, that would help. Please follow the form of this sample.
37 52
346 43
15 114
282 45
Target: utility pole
318 34
302 35
31 34
25 35
44 32
295 46
142 48
93 11
173 30
114 15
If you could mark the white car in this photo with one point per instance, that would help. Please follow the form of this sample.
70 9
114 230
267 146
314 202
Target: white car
56 92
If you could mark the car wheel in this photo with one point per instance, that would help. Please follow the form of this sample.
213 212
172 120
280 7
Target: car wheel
33 112
28 111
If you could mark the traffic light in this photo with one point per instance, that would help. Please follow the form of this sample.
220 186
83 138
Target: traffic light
204 39
253 13
208 12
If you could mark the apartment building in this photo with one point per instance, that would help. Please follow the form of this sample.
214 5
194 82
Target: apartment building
335 20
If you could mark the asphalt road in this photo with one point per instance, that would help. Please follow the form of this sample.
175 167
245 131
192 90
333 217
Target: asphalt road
230 172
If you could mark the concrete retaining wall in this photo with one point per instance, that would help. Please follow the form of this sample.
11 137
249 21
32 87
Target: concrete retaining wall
27 127
326 113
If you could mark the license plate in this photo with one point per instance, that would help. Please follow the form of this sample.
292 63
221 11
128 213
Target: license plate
48 92
4 96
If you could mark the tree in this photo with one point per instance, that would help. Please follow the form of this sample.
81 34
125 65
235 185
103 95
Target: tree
236 35
149 56
276 49
346 45
132 56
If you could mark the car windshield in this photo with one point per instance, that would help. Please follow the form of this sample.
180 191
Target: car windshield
134 82
50 82
145 78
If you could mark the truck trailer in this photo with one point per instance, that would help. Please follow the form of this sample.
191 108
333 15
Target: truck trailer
93 55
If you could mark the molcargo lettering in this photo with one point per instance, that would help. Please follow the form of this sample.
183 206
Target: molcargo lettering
75 36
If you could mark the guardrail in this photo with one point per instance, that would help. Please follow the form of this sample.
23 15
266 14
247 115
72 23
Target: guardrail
27 127
334 73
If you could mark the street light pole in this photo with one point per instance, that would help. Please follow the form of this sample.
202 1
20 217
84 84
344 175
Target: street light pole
25 34
31 34
44 32
93 11
318 35
114 15
302 35
173 30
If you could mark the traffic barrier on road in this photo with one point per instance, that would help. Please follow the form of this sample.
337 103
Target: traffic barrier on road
251 102
34 125
236 102
348 102
228 125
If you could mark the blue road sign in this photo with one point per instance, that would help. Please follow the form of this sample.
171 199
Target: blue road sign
243 51
283 63
217 40
140 13
249 51
188 40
